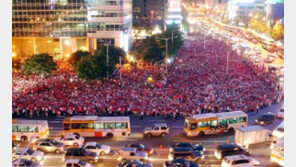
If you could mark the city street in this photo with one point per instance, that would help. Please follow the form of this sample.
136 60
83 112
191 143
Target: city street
176 135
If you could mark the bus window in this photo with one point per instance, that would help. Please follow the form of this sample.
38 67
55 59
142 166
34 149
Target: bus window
23 129
121 125
14 128
84 125
75 125
241 119
109 125
186 124
193 126
203 124
232 120
222 122
66 126
99 125
212 123
32 129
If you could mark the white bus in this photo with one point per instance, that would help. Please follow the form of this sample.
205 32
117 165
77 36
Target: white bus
212 123
277 152
25 129
278 132
94 126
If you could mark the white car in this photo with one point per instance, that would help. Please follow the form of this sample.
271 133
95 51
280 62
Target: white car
25 163
76 163
71 140
280 114
28 154
239 161
131 153
97 148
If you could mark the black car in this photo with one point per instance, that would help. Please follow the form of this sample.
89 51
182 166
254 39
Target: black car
134 163
224 150
195 147
186 153
82 154
180 163
265 119
141 147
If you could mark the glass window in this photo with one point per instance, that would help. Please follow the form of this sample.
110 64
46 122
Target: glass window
203 124
66 126
23 129
109 125
76 126
14 128
84 126
193 126
241 119
232 120
99 125
222 122
33 128
121 125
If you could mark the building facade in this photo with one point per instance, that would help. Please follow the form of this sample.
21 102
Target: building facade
61 27
173 12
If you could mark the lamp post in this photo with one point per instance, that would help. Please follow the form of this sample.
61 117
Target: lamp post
107 58
166 44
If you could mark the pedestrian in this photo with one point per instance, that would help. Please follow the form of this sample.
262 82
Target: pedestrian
142 115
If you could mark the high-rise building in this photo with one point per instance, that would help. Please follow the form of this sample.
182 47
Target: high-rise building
61 27
173 12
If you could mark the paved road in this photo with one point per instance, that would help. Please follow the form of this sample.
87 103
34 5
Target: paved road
176 128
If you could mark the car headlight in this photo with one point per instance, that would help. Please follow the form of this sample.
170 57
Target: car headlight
96 157
146 157
119 158
202 157
262 122
151 151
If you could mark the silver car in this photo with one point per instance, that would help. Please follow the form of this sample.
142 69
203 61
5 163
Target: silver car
49 145
25 163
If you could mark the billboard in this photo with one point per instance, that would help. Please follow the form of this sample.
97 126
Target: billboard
174 5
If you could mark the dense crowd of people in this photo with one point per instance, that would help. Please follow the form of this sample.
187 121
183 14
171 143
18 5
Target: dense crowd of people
197 81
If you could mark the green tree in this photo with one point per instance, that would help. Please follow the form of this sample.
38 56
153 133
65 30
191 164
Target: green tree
278 32
175 44
39 64
152 52
76 57
86 68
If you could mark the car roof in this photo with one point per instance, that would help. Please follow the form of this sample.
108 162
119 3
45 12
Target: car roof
72 160
236 157
227 146
267 114
160 124
71 135
91 143
182 149
130 149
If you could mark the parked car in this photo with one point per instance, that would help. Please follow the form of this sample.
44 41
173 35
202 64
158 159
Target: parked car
224 150
131 153
239 161
82 154
49 145
185 153
71 140
158 129
15 147
97 148
28 154
280 113
141 147
181 163
265 119
76 163
25 163
134 163
195 147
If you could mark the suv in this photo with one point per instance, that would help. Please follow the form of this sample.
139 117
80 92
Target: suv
195 147
239 160
82 154
49 145
131 153
265 119
224 150
158 129
185 153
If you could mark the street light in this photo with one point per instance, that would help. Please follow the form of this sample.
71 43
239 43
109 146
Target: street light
166 44
107 58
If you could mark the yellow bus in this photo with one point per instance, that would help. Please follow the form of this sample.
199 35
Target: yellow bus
25 129
213 123
277 152
94 126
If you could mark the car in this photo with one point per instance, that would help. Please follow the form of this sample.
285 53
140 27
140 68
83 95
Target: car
131 153
15 147
97 148
186 153
281 69
82 154
25 163
158 129
28 154
280 114
256 59
141 147
238 161
224 150
195 147
180 163
134 163
71 140
76 163
49 145
265 119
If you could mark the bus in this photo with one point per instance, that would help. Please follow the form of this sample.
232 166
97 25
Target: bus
94 126
277 152
213 123
278 132
25 129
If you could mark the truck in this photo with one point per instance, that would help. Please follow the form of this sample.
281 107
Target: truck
252 135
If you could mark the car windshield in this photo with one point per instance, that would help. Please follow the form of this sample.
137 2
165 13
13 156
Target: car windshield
98 146
30 151
76 137
183 145
54 143
81 163
280 129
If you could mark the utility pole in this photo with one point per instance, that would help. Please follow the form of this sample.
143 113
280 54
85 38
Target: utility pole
227 63
107 58
204 41
172 35
120 68
166 44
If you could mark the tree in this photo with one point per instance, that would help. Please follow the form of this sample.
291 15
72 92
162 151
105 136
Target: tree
39 64
175 44
86 68
278 32
76 57
152 52
16 64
